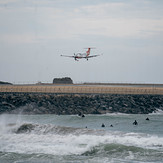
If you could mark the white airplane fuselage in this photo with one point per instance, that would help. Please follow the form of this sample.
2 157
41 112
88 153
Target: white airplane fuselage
80 55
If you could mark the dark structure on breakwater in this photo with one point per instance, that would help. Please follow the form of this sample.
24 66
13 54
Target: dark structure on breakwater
36 103
65 80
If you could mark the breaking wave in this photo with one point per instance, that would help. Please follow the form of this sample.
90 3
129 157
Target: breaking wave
46 142
52 129
58 140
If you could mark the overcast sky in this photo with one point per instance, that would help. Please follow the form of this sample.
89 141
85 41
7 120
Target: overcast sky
34 33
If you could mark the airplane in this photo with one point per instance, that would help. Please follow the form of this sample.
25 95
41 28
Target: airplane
82 55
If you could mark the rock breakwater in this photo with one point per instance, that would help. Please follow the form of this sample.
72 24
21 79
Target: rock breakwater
35 103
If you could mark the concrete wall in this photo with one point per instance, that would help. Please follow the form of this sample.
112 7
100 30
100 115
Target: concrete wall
81 89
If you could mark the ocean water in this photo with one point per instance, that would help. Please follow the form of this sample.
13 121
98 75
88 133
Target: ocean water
73 139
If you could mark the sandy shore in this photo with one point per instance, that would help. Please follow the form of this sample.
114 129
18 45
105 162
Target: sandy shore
83 89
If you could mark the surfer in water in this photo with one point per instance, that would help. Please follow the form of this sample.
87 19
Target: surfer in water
102 125
135 123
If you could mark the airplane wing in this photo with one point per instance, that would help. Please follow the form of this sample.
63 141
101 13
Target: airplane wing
92 56
72 56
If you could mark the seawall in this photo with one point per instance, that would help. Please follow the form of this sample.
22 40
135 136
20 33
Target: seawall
83 89
50 103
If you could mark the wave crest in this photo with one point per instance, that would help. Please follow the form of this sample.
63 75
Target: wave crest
52 129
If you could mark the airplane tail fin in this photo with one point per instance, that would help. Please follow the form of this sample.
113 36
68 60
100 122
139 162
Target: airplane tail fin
88 51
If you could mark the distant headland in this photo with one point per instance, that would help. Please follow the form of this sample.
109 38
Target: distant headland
6 83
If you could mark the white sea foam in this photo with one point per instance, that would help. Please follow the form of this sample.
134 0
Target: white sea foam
67 144
157 112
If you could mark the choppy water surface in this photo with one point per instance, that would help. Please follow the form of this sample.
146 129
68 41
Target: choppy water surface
70 138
